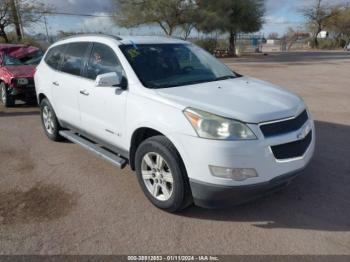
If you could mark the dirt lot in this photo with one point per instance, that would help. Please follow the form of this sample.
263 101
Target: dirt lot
56 198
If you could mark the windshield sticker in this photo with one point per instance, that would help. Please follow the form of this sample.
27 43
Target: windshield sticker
133 52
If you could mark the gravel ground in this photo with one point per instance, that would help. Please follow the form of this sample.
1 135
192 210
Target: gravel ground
57 198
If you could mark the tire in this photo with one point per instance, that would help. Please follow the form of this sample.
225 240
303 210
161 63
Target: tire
173 191
6 99
49 121
32 102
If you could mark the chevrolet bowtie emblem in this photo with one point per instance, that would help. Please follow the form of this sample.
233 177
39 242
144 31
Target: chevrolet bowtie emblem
304 132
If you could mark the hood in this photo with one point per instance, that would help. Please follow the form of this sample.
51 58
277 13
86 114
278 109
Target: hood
21 70
245 99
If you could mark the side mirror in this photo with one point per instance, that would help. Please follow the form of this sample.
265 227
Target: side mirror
108 80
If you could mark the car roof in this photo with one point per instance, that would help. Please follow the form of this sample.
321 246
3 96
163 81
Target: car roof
151 40
124 40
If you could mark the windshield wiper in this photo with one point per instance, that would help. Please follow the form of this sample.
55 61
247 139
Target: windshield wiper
158 86
224 77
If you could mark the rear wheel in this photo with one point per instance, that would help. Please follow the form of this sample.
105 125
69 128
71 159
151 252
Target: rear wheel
6 99
49 121
161 174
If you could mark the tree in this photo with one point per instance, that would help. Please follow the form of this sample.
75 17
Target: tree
31 11
168 14
187 29
16 18
232 17
339 24
317 16
190 21
292 36
5 19
20 13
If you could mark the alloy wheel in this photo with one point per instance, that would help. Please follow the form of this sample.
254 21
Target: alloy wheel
157 176
3 94
48 120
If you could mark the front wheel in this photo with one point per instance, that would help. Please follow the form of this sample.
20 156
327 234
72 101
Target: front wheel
161 174
6 99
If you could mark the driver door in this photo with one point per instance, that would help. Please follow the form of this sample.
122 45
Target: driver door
102 108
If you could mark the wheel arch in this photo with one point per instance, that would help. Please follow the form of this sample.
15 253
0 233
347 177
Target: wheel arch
41 96
3 80
140 135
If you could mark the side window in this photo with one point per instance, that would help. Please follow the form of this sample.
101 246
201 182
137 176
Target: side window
74 58
102 60
54 56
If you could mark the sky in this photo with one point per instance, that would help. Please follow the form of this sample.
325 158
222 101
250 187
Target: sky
279 16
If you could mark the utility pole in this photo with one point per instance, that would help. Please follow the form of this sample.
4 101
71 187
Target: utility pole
19 18
16 19
46 29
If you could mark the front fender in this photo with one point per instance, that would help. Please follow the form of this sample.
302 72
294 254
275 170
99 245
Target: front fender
5 77
145 112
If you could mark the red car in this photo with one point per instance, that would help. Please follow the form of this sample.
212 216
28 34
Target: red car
17 67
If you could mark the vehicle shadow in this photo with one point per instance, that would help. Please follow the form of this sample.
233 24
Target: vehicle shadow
12 114
20 109
317 200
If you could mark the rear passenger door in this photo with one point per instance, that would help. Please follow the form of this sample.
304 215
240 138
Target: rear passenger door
103 108
67 83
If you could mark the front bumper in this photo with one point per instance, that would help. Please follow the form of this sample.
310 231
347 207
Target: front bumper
198 154
209 191
217 196
25 92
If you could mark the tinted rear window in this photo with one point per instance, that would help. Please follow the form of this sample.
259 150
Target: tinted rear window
74 58
54 56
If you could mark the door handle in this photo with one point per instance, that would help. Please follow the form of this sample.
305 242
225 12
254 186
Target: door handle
84 92
55 83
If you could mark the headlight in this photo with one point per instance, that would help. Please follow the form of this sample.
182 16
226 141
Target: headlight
22 81
211 126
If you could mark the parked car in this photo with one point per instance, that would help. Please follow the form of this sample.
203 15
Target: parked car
193 130
347 48
17 67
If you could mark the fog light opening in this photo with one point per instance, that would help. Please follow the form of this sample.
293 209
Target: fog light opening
236 174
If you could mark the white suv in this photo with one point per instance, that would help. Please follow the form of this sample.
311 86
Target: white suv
193 130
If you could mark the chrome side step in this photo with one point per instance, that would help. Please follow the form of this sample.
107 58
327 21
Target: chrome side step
94 148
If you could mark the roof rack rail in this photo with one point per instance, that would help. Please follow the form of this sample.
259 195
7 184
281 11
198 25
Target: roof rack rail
96 34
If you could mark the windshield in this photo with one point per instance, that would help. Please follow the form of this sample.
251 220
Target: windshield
33 58
30 59
11 61
170 65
